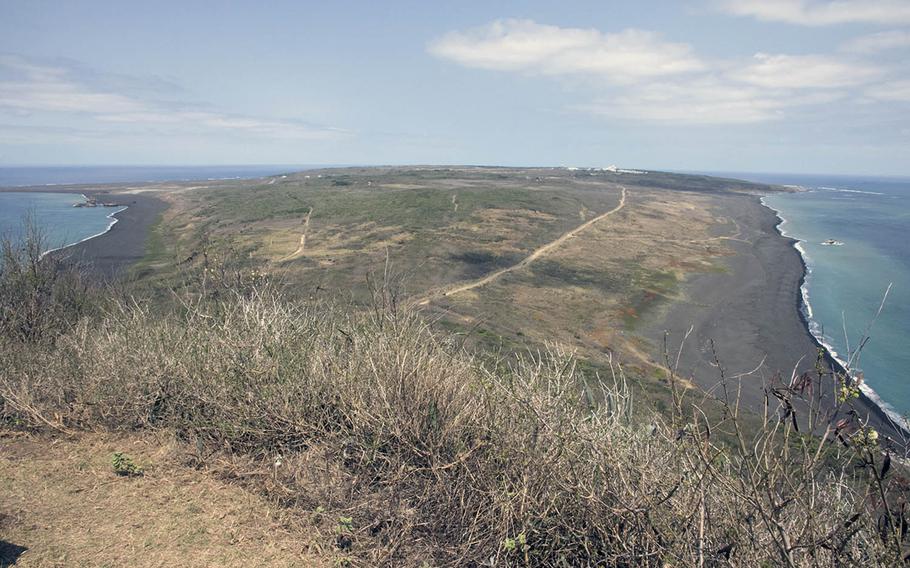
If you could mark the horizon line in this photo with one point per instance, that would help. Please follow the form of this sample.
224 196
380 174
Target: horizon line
444 164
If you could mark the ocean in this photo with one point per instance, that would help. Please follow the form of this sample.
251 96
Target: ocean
844 287
53 214
63 225
19 176
869 220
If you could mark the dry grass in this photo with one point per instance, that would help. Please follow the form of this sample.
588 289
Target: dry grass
414 452
64 505
608 282
39 296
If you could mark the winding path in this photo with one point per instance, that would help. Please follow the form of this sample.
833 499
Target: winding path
299 252
465 286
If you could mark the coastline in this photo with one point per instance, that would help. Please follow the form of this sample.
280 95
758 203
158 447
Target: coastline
868 397
748 314
109 253
744 312
112 216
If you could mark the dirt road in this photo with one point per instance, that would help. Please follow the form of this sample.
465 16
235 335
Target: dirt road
538 253
299 252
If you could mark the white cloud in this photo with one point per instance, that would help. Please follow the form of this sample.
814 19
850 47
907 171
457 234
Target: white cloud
61 97
635 75
212 121
524 45
40 88
706 102
710 100
891 91
804 71
821 12
877 42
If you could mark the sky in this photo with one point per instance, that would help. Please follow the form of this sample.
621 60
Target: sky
801 86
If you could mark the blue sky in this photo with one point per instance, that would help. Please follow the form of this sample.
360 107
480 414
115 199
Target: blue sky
814 86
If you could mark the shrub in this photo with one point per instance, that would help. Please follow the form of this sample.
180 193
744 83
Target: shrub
40 295
124 465
426 453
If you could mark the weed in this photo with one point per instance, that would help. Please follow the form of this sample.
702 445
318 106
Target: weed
125 466
344 533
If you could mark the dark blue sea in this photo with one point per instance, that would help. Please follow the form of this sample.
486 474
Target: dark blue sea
20 176
869 220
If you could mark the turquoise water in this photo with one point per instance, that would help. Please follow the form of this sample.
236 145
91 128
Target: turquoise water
846 284
54 214
63 224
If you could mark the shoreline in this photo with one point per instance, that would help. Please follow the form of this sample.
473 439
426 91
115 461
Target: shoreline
747 308
868 396
16 177
114 220
746 315
111 252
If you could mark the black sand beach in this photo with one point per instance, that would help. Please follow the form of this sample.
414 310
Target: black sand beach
750 311
108 255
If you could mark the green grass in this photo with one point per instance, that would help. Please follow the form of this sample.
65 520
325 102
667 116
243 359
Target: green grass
157 253
502 215
556 273
647 290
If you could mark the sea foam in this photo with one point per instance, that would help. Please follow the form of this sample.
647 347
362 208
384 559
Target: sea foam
817 331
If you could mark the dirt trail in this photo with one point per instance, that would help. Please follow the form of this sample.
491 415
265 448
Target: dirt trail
306 227
464 287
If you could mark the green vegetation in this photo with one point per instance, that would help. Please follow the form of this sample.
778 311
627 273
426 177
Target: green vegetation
423 453
124 465
648 289
156 254
494 426
442 226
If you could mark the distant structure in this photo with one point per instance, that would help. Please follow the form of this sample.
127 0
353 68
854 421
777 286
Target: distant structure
615 170
611 169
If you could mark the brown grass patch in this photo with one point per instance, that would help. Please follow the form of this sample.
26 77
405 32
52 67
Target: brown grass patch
64 504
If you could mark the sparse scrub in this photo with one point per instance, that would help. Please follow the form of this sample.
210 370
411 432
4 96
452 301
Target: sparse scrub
411 450
40 295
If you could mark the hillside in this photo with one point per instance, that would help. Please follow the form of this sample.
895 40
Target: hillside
431 366
323 232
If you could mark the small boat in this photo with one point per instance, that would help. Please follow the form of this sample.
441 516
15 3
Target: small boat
832 243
